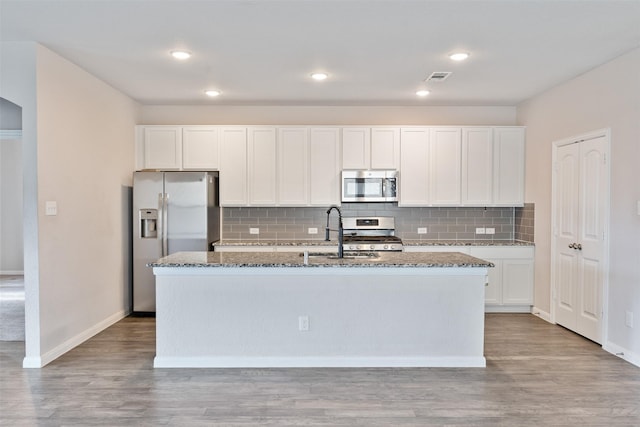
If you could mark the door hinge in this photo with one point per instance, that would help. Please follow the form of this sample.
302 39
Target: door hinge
604 158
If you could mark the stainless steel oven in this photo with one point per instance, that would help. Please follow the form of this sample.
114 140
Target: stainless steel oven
370 234
369 186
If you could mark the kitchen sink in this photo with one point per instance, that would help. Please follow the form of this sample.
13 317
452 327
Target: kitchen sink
347 255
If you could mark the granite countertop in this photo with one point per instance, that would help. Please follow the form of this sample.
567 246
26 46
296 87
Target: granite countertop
276 243
404 242
294 259
466 243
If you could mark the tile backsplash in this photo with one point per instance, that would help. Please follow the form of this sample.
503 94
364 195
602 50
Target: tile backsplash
524 220
456 223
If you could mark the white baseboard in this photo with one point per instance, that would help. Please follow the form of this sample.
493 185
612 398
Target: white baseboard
622 353
11 273
488 308
318 362
51 355
541 314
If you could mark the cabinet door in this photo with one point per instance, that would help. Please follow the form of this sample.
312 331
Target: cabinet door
414 170
493 290
233 166
517 281
508 146
477 166
293 166
200 148
163 147
262 166
385 148
356 146
324 167
445 165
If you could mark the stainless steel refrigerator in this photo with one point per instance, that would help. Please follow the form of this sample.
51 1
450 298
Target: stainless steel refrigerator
172 212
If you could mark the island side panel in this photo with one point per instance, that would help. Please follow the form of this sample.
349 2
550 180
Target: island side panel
248 317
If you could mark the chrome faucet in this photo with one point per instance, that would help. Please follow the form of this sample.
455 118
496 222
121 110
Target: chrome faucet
339 230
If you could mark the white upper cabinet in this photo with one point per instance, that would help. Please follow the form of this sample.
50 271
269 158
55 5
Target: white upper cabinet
370 148
162 147
445 166
293 166
262 166
414 173
324 166
200 148
177 147
356 148
508 166
477 166
385 148
233 166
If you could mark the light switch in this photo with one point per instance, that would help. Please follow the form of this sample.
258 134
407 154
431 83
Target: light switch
422 230
490 230
254 230
480 230
51 208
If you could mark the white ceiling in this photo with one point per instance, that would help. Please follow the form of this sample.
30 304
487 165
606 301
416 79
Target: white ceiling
261 52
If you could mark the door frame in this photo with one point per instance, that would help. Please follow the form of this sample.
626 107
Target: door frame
606 133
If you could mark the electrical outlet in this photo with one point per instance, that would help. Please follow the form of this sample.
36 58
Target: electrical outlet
628 319
480 230
490 230
422 230
303 323
312 230
254 230
51 208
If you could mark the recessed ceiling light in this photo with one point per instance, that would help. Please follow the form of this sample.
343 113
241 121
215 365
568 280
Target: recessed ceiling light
181 54
319 76
422 92
212 92
459 56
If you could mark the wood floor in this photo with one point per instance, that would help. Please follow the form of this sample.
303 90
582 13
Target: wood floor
537 375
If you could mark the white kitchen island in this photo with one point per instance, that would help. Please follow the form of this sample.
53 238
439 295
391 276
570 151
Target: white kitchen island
219 309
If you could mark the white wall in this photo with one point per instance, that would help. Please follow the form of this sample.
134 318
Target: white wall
11 247
606 97
326 115
77 150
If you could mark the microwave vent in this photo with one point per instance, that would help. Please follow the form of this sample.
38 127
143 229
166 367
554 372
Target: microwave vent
438 76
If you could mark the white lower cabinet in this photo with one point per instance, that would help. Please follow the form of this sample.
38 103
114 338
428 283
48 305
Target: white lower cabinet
510 282
510 286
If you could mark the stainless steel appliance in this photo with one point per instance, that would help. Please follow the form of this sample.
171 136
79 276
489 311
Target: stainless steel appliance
370 234
172 212
369 186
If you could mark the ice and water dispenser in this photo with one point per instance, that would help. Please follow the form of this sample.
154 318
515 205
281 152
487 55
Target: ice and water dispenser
149 223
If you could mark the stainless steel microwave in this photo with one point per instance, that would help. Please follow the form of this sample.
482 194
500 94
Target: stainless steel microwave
369 186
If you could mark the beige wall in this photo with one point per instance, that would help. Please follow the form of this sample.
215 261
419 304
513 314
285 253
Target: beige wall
606 97
332 115
11 240
85 140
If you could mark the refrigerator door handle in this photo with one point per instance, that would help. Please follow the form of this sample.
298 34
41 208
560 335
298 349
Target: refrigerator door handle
165 224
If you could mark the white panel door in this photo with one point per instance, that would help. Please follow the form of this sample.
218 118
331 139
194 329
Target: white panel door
581 194
385 148
262 166
200 148
233 166
324 166
163 147
477 166
356 148
445 166
293 166
414 167
508 166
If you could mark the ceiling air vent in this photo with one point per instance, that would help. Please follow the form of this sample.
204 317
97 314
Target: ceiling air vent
438 76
